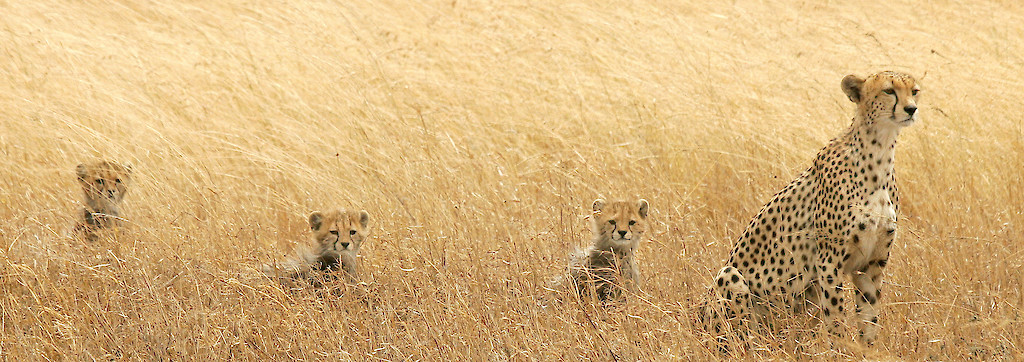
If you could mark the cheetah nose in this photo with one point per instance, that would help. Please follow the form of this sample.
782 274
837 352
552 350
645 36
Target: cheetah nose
622 233
910 109
344 245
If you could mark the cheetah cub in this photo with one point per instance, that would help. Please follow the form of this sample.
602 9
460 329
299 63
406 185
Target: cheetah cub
608 265
337 236
104 185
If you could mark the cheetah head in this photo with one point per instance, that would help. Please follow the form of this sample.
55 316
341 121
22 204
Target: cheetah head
339 230
621 224
104 183
886 97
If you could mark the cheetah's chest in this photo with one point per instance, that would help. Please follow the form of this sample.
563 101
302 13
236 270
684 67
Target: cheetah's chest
872 229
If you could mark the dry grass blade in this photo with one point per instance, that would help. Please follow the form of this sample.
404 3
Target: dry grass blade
477 133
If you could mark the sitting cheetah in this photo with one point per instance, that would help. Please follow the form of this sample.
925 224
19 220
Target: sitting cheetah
838 218
608 265
337 236
104 185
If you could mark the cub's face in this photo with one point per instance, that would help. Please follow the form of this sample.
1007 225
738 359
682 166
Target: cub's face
620 223
888 97
340 230
105 182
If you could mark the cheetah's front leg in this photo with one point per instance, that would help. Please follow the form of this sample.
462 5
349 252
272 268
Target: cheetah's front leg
869 284
830 296
867 298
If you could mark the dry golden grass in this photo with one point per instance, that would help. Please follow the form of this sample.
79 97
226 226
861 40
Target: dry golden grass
477 135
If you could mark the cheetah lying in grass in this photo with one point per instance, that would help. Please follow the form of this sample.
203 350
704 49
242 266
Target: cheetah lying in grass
337 237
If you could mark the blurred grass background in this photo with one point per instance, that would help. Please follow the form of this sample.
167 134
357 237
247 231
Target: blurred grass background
477 135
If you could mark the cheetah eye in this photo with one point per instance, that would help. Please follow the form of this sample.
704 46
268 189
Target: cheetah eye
611 222
888 91
117 180
99 181
632 222
334 232
352 232
914 92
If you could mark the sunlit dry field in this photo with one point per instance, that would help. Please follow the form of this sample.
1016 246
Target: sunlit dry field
477 135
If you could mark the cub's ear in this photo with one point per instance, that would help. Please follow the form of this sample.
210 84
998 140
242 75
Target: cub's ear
364 218
315 219
643 206
82 171
598 205
852 85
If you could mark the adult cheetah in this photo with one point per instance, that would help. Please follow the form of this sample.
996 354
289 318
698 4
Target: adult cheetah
838 218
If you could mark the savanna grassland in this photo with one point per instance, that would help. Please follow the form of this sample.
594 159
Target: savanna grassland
477 134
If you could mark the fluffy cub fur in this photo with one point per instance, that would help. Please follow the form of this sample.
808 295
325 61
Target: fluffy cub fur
337 237
104 185
608 265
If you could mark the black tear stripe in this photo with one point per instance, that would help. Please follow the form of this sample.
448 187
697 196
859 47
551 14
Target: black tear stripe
897 95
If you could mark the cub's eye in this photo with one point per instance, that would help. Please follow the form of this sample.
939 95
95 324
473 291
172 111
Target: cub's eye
889 91
351 232
914 92
99 181
117 180
334 232
611 222
632 222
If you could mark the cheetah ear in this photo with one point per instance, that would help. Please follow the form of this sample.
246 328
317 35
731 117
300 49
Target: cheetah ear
852 87
82 171
364 218
315 219
643 206
598 205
